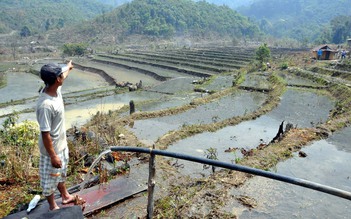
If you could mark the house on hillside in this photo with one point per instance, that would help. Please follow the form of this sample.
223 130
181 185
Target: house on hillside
328 53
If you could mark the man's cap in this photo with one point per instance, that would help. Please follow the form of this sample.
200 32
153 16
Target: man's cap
51 71
52 68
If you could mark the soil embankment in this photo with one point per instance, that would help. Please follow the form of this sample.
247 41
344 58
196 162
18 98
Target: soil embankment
100 72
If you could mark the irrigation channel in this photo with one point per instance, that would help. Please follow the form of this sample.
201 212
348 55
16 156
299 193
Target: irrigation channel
168 82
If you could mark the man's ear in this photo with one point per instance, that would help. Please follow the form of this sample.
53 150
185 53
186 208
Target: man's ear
59 79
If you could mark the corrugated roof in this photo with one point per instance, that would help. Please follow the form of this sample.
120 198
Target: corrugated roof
324 47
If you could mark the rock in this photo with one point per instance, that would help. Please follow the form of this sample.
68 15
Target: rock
91 135
88 160
302 154
109 158
121 136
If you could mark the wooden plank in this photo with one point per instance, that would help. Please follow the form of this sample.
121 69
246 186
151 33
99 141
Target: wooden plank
96 197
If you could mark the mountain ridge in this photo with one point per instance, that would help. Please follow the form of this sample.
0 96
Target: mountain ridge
167 19
43 15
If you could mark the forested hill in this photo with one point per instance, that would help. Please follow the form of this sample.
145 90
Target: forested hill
230 3
114 3
42 15
169 18
234 4
299 19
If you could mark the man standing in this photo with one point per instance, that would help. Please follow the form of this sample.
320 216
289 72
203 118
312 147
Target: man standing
343 54
52 139
319 54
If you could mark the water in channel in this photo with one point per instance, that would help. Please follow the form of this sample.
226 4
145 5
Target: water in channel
301 108
327 163
237 104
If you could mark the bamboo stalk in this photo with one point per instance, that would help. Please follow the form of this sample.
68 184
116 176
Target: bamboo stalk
151 184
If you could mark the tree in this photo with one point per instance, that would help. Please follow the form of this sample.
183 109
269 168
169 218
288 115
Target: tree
340 29
25 31
47 25
60 23
13 49
263 53
168 18
72 49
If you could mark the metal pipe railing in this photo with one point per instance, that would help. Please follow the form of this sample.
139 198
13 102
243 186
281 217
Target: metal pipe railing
292 180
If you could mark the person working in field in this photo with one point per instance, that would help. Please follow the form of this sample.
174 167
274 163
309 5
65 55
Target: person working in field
52 139
343 54
319 54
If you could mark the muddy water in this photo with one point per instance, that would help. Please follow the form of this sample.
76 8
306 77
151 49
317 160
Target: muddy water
25 86
303 109
19 86
78 112
296 80
327 163
220 83
256 80
176 85
81 80
230 106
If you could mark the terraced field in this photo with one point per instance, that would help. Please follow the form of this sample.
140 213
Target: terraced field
196 100
202 63
222 122
201 125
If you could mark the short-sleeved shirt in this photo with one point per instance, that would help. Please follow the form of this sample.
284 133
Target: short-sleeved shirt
51 118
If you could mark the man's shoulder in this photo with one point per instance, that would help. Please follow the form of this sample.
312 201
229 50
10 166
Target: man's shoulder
44 101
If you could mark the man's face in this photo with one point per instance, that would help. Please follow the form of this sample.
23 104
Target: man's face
62 77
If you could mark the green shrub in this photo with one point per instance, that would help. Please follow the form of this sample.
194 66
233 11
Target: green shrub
73 49
22 135
284 66
263 53
19 153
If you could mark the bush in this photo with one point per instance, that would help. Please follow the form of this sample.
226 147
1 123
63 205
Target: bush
19 152
284 66
263 53
25 32
22 135
73 49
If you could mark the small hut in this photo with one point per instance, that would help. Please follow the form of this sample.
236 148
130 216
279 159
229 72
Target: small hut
328 53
